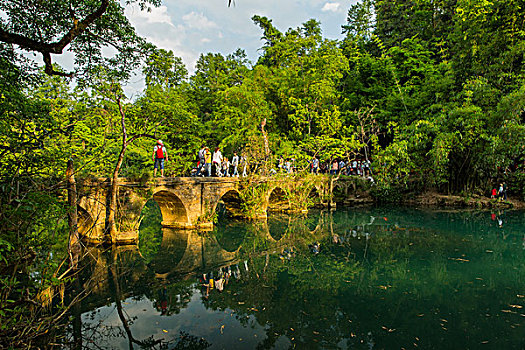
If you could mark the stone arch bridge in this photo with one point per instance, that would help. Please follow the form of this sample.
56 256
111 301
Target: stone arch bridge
191 203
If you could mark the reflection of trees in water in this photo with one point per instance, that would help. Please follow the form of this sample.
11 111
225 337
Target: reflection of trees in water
150 230
407 277
230 234
126 278
278 225
171 250
412 267
170 297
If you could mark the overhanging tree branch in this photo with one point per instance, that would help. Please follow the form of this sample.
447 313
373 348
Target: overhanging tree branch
46 49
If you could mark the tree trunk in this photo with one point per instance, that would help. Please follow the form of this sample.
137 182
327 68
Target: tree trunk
74 239
111 226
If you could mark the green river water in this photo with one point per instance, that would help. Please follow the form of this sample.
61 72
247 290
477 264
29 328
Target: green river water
354 278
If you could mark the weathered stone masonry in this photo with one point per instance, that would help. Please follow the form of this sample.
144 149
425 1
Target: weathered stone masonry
189 203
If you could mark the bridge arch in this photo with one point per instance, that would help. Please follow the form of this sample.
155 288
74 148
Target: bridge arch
314 197
277 200
173 211
86 224
231 204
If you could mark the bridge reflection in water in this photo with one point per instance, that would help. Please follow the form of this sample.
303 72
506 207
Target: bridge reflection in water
181 253
373 264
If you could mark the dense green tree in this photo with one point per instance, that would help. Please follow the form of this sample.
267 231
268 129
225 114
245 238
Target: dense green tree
163 68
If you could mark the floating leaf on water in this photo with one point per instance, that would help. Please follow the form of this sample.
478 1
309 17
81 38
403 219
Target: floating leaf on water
222 329
484 342
443 320
489 251
459 259
241 302
507 311
293 330
520 296
420 315
516 306
316 333
165 331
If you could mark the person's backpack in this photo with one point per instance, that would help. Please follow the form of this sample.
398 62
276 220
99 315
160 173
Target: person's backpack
160 153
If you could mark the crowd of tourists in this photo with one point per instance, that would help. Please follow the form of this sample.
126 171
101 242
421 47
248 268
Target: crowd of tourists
360 167
214 163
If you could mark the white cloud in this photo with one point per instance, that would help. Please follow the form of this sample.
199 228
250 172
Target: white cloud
156 15
332 7
198 21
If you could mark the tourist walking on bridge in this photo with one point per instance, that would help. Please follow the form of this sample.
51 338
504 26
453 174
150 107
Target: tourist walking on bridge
217 161
235 164
315 165
207 160
202 161
334 168
159 155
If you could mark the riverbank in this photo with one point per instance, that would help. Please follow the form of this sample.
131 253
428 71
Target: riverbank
434 199
474 201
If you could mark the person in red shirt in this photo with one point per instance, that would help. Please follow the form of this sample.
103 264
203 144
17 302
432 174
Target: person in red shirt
159 155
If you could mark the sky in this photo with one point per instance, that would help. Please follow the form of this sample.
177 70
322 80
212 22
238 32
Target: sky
193 27
190 28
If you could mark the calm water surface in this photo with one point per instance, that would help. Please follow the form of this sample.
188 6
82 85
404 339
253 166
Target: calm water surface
374 278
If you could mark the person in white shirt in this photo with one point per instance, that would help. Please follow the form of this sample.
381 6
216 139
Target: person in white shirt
226 167
217 161
235 164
